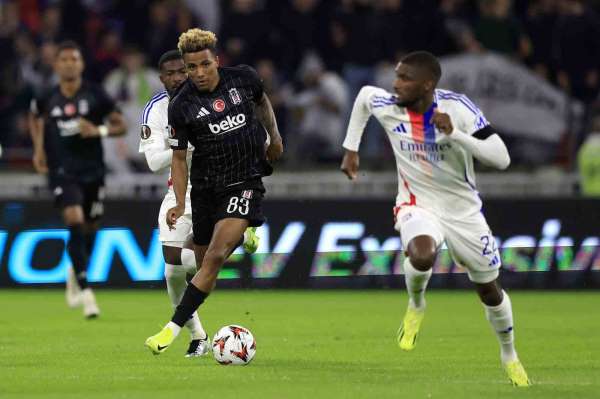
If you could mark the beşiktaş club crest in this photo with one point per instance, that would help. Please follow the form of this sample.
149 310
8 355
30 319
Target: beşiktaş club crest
234 95
84 107
218 105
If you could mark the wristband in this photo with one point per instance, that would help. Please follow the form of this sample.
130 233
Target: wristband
102 130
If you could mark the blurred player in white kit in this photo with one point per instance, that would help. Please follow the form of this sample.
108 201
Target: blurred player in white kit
177 243
435 134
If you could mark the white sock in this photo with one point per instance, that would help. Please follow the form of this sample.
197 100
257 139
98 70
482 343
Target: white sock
416 282
501 319
176 285
196 330
188 260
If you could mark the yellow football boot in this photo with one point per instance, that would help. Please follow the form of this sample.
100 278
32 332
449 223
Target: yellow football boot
409 329
516 374
160 342
251 240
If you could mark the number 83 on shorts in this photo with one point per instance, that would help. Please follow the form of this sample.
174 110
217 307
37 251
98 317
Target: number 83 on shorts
238 204
242 204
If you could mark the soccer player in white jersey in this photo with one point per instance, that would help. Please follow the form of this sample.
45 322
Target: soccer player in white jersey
176 243
435 134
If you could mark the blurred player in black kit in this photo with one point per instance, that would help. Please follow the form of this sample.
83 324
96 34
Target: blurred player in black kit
223 112
67 125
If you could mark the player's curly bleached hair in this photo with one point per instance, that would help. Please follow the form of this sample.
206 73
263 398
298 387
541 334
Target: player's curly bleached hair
194 40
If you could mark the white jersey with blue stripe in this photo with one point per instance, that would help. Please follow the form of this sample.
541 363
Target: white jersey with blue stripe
434 172
155 128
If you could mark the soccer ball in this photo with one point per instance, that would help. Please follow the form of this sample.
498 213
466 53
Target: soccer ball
234 345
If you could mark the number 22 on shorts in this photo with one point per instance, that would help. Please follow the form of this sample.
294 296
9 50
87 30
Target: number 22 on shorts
490 249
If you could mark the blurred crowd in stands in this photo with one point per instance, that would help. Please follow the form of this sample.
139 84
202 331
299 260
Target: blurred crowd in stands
313 55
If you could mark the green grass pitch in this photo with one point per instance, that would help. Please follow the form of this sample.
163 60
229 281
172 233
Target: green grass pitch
310 344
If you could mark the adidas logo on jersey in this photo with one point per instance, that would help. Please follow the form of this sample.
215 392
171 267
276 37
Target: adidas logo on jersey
228 124
56 112
203 112
400 128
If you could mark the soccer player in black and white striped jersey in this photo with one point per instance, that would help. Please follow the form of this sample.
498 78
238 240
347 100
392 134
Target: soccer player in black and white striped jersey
223 112
177 246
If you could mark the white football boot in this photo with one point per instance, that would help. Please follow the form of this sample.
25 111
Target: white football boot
72 292
198 347
90 307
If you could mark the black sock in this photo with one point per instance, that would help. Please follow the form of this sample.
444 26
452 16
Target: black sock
90 236
76 249
192 299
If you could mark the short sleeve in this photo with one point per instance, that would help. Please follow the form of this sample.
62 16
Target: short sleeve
256 83
178 128
38 106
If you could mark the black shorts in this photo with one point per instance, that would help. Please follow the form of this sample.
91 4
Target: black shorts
209 205
89 195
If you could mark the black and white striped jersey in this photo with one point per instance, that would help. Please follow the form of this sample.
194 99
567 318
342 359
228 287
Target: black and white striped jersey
228 140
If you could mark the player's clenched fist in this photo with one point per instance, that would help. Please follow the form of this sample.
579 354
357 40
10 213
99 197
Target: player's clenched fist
39 161
274 150
442 121
87 128
350 164
173 214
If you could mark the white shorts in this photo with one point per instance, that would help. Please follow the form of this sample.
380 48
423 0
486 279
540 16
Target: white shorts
470 241
183 227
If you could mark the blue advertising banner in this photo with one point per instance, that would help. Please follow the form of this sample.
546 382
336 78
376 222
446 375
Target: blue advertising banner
309 243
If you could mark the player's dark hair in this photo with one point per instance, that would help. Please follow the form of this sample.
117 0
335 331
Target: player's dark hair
68 45
168 56
425 60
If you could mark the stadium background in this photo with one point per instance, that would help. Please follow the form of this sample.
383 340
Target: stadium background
532 66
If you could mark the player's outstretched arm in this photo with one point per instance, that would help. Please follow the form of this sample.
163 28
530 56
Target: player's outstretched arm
489 148
266 116
179 176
